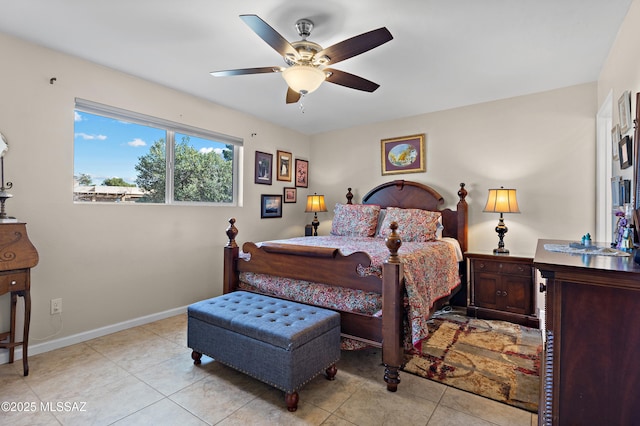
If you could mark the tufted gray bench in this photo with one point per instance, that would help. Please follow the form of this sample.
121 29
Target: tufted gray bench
282 343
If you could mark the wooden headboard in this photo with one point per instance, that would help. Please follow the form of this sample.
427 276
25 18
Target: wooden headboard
413 195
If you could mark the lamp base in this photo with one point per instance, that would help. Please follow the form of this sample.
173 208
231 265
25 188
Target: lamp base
500 250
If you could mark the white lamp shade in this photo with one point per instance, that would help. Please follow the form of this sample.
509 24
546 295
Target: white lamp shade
303 78
315 203
502 201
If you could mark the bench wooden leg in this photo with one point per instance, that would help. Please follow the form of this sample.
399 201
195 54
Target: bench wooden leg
392 377
331 372
292 401
195 356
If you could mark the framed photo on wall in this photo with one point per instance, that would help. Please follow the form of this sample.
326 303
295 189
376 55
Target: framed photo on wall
625 151
284 164
302 173
270 206
290 195
263 168
615 138
405 154
624 112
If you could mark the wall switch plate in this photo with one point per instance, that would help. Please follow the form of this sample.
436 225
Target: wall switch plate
56 306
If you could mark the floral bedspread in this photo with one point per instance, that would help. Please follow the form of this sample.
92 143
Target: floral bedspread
430 269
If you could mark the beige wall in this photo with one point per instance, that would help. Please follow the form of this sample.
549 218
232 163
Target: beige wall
541 144
112 263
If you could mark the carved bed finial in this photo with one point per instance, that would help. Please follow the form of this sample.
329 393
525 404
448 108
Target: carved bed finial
349 196
462 193
232 232
393 242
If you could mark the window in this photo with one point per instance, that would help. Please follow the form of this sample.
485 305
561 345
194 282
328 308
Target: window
126 157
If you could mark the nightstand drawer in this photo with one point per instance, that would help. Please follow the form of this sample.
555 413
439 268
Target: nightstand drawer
521 269
13 282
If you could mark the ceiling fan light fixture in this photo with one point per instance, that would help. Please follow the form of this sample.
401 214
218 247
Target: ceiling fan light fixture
303 78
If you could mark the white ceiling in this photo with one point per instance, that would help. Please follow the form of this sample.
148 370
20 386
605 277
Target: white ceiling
445 53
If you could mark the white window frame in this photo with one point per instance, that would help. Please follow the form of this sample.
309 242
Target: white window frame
171 128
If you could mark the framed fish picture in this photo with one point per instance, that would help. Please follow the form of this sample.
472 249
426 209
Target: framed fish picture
405 154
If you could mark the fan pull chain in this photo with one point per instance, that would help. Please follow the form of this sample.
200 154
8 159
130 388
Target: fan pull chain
300 104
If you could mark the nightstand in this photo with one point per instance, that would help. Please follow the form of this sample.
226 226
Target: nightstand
502 287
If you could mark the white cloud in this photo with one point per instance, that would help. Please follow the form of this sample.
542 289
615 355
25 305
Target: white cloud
205 150
90 137
76 116
137 142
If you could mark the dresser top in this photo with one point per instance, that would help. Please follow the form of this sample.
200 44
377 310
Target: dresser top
551 260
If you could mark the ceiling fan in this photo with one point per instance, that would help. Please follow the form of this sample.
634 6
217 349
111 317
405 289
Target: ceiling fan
308 61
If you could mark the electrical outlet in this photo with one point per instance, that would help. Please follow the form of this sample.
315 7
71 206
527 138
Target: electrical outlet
56 306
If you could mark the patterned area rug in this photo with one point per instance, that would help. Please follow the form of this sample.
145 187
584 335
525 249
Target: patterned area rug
494 359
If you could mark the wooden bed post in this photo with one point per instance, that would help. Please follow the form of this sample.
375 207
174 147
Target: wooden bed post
231 250
392 306
462 208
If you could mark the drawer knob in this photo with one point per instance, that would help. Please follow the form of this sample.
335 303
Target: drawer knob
13 282
481 265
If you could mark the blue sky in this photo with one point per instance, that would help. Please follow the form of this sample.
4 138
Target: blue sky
106 148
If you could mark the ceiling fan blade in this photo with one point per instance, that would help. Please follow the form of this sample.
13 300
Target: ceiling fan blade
350 80
355 45
270 36
292 96
244 71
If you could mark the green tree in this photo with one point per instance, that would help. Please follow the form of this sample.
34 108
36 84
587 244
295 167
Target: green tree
198 176
85 180
116 181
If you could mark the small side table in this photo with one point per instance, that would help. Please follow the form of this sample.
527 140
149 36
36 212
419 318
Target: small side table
502 287
17 257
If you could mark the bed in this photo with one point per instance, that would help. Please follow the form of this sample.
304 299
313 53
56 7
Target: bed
355 271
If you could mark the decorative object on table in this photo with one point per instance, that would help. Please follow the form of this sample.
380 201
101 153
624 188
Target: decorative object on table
501 201
302 173
263 168
283 164
621 225
624 111
4 195
315 204
270 206
403 155
625 152
290 195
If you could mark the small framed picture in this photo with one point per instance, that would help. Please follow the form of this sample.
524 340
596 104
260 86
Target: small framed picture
284 164
625 151
615 138
270 206
290 195
403 155
302 173
264 166
624 112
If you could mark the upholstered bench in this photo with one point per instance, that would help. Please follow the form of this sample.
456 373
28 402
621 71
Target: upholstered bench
282 343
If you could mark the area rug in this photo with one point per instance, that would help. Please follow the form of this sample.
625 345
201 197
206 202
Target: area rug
493 359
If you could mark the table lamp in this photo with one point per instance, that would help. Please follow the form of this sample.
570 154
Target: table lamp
315 204
501 201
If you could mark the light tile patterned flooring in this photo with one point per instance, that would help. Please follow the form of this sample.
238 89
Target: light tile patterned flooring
145 376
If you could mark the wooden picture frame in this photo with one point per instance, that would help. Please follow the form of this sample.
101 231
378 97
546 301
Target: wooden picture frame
624 112
284 163
270 206
302 173
615 138
290 195
625 151
263 168
405 154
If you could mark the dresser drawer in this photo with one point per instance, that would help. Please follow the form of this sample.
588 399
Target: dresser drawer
522 269
13 282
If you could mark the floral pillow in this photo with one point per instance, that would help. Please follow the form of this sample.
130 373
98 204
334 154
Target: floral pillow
355 220
413 224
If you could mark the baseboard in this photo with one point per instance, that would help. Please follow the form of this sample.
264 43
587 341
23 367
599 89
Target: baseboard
91 334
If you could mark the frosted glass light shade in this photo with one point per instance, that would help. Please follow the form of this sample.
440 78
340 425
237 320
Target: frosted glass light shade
303 78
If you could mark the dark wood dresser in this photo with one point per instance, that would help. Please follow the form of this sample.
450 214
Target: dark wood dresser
591 369
17 257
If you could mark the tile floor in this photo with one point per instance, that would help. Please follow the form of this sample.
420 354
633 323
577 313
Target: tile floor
145 376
